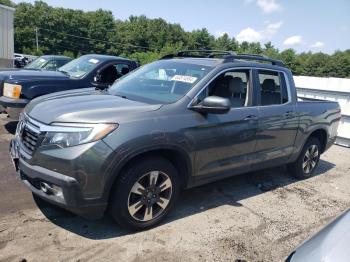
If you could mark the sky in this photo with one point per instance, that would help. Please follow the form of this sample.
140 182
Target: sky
315 25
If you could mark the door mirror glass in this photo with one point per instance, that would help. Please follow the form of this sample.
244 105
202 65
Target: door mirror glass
214 105
97 78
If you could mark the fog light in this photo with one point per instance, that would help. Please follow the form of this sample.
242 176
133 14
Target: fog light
57 191
45 187
51 189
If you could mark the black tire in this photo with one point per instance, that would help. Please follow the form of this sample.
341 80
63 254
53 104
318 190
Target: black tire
122 193
297 168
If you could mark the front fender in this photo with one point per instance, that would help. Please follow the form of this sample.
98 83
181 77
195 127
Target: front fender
120 158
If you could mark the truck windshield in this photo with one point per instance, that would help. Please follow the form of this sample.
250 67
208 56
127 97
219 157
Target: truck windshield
162 82
37 63
80 67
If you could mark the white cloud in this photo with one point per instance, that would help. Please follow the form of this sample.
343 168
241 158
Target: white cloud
266 6
317 44
272 29
293 40
269 6
251 35
220 33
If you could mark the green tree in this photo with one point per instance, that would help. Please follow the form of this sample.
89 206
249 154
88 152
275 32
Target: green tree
224 42
339 64
200 39
74 33
288 57
270 51
7 3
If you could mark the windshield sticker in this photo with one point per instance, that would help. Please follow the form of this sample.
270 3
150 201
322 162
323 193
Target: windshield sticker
42 60
93 60
182 78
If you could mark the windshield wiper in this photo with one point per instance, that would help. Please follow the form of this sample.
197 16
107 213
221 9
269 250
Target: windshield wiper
64 72
122 96
102 90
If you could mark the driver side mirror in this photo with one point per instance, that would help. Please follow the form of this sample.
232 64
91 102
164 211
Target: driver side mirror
214 105
96 82
97 78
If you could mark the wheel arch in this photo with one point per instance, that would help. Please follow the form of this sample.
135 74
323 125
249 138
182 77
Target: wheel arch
322 136
177 156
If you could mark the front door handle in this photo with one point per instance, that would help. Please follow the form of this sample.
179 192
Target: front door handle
251 117
289 114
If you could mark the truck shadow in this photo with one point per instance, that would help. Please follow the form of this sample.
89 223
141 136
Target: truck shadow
192 201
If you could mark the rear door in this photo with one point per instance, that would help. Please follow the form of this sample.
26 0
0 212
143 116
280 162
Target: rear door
278 121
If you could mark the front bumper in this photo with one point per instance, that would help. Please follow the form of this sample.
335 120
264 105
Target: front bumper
71 198
13 107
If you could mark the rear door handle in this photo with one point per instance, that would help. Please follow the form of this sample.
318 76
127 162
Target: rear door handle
251 117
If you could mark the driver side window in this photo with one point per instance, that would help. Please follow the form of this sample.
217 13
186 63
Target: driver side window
111 73
233 85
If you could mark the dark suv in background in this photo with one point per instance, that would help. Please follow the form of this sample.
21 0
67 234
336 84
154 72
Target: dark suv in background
182 121
48 62
18 87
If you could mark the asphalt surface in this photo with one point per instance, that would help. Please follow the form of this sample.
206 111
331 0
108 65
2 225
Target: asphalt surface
14 195
261 216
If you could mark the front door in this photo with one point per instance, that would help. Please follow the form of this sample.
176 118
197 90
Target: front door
225 144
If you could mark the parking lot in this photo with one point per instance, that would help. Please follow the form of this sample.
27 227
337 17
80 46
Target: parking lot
260 216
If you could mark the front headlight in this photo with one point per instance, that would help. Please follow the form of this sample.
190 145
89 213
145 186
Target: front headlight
12 90
68 134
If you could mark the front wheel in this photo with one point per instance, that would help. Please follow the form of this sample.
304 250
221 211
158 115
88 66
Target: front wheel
145 193
308 159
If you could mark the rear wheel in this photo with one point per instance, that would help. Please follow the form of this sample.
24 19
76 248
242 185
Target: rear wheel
145 193
308 159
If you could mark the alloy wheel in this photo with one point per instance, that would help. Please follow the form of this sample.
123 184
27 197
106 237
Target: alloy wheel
149 196
310 159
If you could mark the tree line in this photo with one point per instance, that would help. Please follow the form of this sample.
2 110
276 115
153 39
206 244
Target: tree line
75 32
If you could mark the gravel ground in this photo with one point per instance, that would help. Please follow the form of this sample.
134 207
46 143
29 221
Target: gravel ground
260 216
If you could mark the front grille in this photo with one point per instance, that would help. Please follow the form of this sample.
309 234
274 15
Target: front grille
29 139
29 135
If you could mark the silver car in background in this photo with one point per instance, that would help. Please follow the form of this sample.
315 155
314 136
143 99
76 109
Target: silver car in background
332 243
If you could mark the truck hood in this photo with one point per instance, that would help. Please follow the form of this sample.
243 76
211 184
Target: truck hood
25 74
87 106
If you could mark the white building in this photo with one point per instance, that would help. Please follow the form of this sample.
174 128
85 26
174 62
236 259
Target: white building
333 89
6 36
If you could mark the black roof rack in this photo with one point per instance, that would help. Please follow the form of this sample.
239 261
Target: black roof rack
262 58
202 53
228 56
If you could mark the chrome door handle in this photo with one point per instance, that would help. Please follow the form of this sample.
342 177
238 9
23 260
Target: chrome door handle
251 117
289 114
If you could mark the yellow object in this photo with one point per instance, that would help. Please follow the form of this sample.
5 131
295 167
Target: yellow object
12 90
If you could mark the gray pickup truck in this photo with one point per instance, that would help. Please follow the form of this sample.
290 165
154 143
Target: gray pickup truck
185 120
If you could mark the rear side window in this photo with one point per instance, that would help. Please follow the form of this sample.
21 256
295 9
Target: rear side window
122 69
273 89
